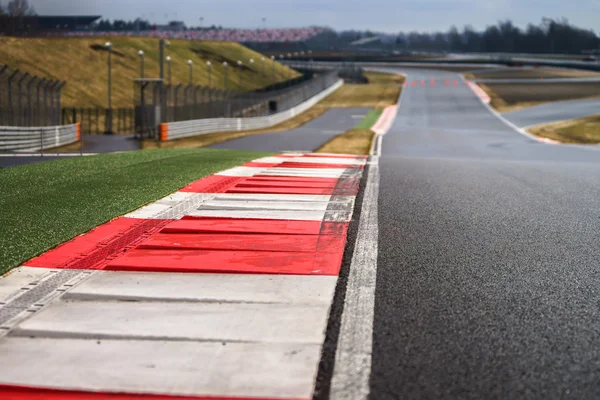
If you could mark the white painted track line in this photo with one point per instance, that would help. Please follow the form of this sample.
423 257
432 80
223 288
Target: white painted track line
244 370
353 354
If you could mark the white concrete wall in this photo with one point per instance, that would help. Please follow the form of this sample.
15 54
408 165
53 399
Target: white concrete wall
177 130
35 138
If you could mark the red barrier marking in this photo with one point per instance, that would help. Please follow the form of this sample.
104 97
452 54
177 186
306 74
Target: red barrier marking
77 247
24 393
455 83
248 183
317 165
300 165
432 82
213 184
283 190
260 164
227 225
270 178
253 242
405 84
323 262
351 156
447 83
422 83
414 83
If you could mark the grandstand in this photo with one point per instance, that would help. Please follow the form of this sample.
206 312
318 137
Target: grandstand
230 35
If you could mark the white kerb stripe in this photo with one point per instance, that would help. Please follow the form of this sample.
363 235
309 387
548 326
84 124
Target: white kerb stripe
352 367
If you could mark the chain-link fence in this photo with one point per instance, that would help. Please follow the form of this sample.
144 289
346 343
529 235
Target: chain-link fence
27 100
156 102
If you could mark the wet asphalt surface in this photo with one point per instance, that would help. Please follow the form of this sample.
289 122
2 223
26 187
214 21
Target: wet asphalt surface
488 281
308 137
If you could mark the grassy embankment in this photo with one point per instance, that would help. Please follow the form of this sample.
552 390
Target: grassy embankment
82 63
581 130
45 204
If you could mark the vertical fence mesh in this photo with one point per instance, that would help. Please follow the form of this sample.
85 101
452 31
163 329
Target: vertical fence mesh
27 100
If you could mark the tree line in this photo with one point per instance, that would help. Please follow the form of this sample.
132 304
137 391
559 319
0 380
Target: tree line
17 8
549 36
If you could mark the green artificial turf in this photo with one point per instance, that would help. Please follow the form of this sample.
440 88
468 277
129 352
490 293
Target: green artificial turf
45 204
369 120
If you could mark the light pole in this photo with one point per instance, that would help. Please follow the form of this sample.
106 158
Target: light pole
161 47
168 59
225 72
240 64
209 67
201 22
264 23
141 54
108 46
191 65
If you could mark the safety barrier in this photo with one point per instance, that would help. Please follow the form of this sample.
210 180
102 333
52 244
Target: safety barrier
178 130
38 138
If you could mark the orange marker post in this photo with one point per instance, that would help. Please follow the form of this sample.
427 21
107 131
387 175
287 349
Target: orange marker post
164 132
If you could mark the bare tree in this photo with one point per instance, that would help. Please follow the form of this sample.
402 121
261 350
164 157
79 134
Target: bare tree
19 8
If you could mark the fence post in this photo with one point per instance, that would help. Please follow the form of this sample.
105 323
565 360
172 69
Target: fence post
42 141
10 96
39 106
20 116
78 127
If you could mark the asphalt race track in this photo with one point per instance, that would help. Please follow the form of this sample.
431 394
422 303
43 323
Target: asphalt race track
488 274
305 138
552 112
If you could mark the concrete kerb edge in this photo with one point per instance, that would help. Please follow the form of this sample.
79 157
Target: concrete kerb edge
378 137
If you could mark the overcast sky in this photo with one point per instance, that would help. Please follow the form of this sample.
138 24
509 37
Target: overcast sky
379 15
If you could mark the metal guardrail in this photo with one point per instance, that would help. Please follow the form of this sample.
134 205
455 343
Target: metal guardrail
27 100
178 130
37 138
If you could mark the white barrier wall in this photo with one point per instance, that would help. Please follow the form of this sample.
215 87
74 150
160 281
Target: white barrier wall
37 138
178 130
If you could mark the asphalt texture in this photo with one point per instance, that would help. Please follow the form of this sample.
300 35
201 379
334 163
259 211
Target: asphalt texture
109 143
308 137
552 112
488 282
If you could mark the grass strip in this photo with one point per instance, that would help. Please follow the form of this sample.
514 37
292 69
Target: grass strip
45 204
370 95
582 130
354 141
369 120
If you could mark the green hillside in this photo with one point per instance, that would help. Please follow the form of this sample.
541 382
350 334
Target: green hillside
82 63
